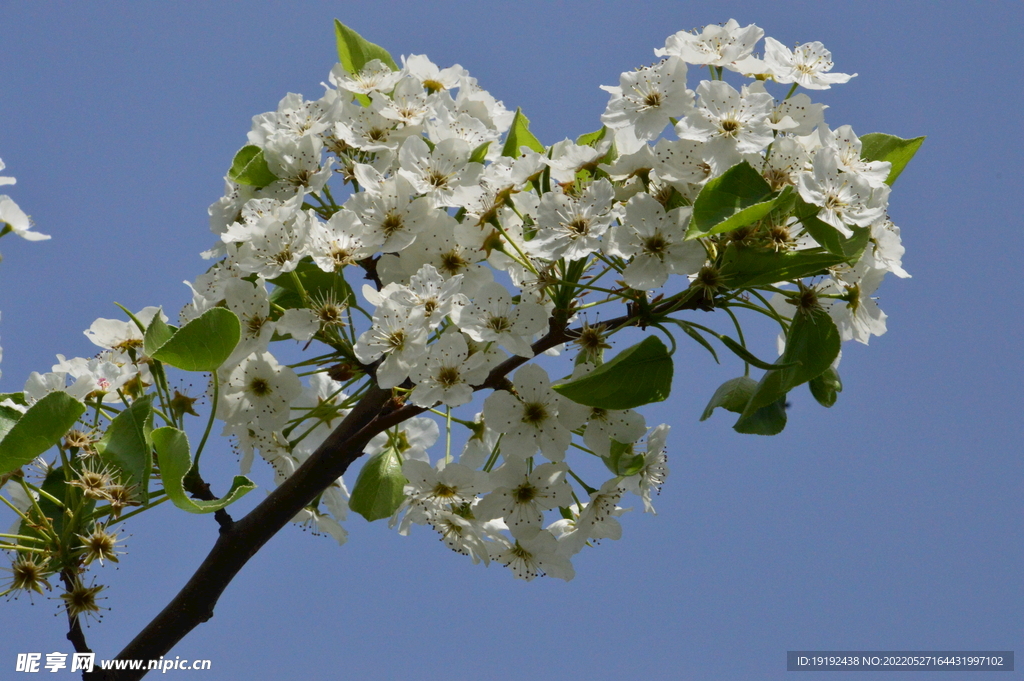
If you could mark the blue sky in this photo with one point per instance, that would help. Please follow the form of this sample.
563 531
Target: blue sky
891 521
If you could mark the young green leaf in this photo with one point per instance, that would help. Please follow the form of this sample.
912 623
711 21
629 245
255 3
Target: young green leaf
128 446
636 376
747 266
876 146
379 489
592 138
173 451
479 154
733 395
8 417
519 135
736 198
250 168
38 429
826 387
812 344
354 51
768 420
157 334
204 343
621 460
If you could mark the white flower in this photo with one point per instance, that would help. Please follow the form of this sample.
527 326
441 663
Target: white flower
448 372
571 227
399 333
411 439
596 520
296 161
320 523
539 418
429 291
738 122
493 317
258 390
12 216
845 198
445 174
342 240
534 555
434 79
375 76
655 241
654 471
447 489
462 535
647 98
807 64
389 210
715 45
114 334
521 497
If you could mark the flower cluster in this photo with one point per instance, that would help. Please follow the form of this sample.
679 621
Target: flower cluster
482 249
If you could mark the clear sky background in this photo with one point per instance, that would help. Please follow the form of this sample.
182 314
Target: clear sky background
891 521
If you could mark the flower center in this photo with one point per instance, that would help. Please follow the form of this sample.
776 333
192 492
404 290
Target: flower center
260 387
525 493
656 245
534 413
448 377
391 223
499 324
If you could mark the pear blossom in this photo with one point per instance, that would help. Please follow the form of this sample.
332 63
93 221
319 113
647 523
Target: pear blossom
647 98
448 373
520 497
493 317
808 65
539 418
532 556
655 242
714 45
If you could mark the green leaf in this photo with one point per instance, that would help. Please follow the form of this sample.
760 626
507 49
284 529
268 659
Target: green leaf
175 462
876 146
319 286
748 266
479 154
826 387
157 334
38 429
355 51
736 198
592 138
519 135
128 445
768 420
173 451
17 398
204 343
812 344
621 460
636 376
8 417
250 168
379 489
733 395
